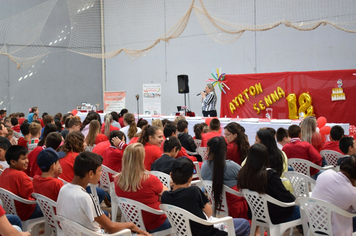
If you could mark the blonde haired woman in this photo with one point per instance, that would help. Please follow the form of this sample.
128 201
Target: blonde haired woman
209 98
136 183
94 136
107 127
130 129
309 133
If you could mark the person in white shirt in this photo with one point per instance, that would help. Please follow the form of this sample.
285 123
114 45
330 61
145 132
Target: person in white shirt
282 137
339 188
76 204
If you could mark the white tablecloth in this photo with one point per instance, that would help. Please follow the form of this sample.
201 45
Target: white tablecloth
250 127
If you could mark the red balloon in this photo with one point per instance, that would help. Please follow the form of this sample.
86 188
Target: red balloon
74 112
207 120
325 130
321 121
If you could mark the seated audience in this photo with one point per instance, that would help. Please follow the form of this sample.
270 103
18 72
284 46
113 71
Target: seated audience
256 175
77 205
65 131
301 149
15 125
170 130
185 139
130 129
151 138
15 180
171 149
6 227
3 162
35 131
48 184
47 119
336 133
94 136
136 183
112 156
107 128
339 188
278 160
215 131
121 117
25 130
348 146
309 134
223 172
282 137
115 119
3 133
86 123
237 144
192 199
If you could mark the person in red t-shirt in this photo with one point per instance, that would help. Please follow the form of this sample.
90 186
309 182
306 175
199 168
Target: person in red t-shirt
214 132
48 184
112 156
15 125
237 143
94 136
25 130
107 128
152 138
101 147
121 117
135 183
15 180
336 133
73 145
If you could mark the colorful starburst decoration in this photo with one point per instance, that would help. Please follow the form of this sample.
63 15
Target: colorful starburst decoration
219 79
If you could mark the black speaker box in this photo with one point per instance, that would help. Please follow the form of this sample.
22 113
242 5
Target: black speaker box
183 86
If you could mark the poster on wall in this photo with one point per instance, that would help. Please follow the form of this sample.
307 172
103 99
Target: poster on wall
292 95
152 99
114 101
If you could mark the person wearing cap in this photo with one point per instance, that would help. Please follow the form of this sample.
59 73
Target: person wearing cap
48 184
192 199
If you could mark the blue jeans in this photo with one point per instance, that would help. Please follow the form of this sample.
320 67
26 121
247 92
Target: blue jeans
14 220
317 174
165 225
295 215
36 213
99 191
242 227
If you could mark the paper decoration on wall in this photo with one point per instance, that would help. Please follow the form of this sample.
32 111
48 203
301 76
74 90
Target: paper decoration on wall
338 93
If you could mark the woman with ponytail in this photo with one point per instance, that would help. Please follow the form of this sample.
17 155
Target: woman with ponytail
107 127
130 129
223 172
151 137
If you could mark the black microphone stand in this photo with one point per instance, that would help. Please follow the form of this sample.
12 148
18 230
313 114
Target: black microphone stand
138 107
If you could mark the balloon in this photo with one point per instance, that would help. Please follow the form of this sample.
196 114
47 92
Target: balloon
321 121
74 112
292 106
305 101
207 120
325 130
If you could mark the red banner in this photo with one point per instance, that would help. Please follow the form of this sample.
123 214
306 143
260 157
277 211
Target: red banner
331 94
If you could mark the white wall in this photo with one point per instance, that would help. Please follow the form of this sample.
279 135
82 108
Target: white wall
194 54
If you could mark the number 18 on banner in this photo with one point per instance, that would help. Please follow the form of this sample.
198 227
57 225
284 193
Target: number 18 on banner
305 106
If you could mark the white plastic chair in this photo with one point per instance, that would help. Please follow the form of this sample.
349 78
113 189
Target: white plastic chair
223 211
197 142
318 214
203 152
48 208
302 184
163 177
180 220
260 214
64 182
114 203
331 157
132 211
72 228
105 179
191 153
303 166
8 200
